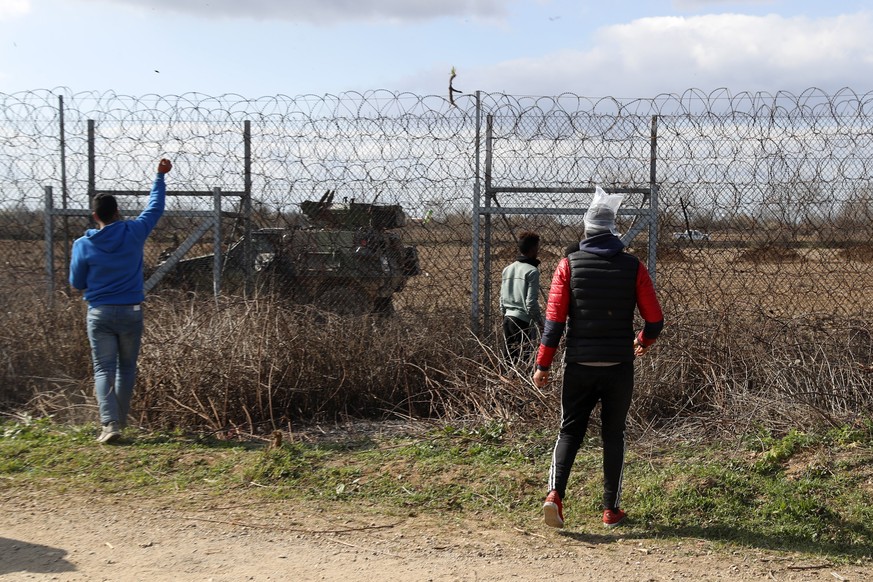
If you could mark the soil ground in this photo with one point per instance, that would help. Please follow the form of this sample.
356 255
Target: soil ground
199 537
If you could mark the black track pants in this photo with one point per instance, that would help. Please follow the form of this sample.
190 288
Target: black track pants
583 388
518 335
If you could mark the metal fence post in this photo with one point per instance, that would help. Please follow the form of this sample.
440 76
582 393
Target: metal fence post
653 202
64 192
653 236
486 263
216 231
477 193
91 167
48 220
247 206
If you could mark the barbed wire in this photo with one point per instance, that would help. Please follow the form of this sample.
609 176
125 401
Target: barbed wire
778 184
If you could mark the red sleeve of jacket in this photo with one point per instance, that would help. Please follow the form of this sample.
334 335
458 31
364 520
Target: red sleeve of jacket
649 308
556 314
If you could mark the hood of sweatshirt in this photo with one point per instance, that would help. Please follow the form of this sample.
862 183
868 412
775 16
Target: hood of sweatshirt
109 238
528 260
603 245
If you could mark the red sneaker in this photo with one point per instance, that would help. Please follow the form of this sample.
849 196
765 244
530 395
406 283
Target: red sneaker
613 518
553 510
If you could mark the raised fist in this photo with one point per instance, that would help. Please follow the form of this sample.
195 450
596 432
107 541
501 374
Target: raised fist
164 166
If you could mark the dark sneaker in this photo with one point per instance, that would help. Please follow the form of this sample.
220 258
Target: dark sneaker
612 518
111 433
553 510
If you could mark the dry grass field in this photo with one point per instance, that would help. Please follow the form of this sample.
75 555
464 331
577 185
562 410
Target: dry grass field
781 281
746 340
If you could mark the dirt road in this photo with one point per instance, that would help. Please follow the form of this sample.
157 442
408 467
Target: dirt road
125 537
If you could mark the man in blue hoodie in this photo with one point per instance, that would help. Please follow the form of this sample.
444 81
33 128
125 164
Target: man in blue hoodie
107 264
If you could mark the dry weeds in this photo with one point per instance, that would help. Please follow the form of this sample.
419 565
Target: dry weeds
860 253
259 365
771 253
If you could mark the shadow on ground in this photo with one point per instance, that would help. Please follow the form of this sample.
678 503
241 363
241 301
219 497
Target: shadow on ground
737 535
21 556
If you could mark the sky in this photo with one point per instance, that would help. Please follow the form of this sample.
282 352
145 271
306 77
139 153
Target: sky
256 48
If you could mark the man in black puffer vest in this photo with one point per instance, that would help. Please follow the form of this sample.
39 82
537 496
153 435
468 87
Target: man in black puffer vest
594 293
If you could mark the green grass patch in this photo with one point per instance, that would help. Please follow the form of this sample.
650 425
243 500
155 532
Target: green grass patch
801 492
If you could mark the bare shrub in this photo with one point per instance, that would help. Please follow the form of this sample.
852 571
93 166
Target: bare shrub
263 363
732 371
480 387
770 253
860 253
44 352
666 254
258 365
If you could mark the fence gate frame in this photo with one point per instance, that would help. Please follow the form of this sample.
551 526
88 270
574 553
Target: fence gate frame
645 216
211 219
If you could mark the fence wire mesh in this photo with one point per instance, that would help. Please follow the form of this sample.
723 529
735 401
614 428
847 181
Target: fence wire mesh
765 199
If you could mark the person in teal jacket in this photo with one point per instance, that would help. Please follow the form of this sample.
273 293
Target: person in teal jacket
107 265
519 300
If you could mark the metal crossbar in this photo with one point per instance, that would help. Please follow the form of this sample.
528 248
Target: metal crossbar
212 220
646 217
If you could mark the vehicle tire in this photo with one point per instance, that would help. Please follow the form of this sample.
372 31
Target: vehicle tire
343 300
383 306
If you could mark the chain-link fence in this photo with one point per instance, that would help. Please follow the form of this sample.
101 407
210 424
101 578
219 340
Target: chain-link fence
764 200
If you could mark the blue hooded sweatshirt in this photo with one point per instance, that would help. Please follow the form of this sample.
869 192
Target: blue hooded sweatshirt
107 262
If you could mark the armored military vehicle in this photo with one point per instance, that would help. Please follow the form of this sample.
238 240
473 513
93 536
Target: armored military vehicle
345 257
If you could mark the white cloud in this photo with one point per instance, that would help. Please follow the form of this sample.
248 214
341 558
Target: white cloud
671 54
693 5
328 11
13 8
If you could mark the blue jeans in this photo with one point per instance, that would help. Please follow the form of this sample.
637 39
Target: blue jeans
115 333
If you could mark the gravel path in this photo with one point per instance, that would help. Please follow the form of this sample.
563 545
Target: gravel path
180 537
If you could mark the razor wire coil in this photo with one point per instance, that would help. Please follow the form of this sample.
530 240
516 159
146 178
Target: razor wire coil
780 183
